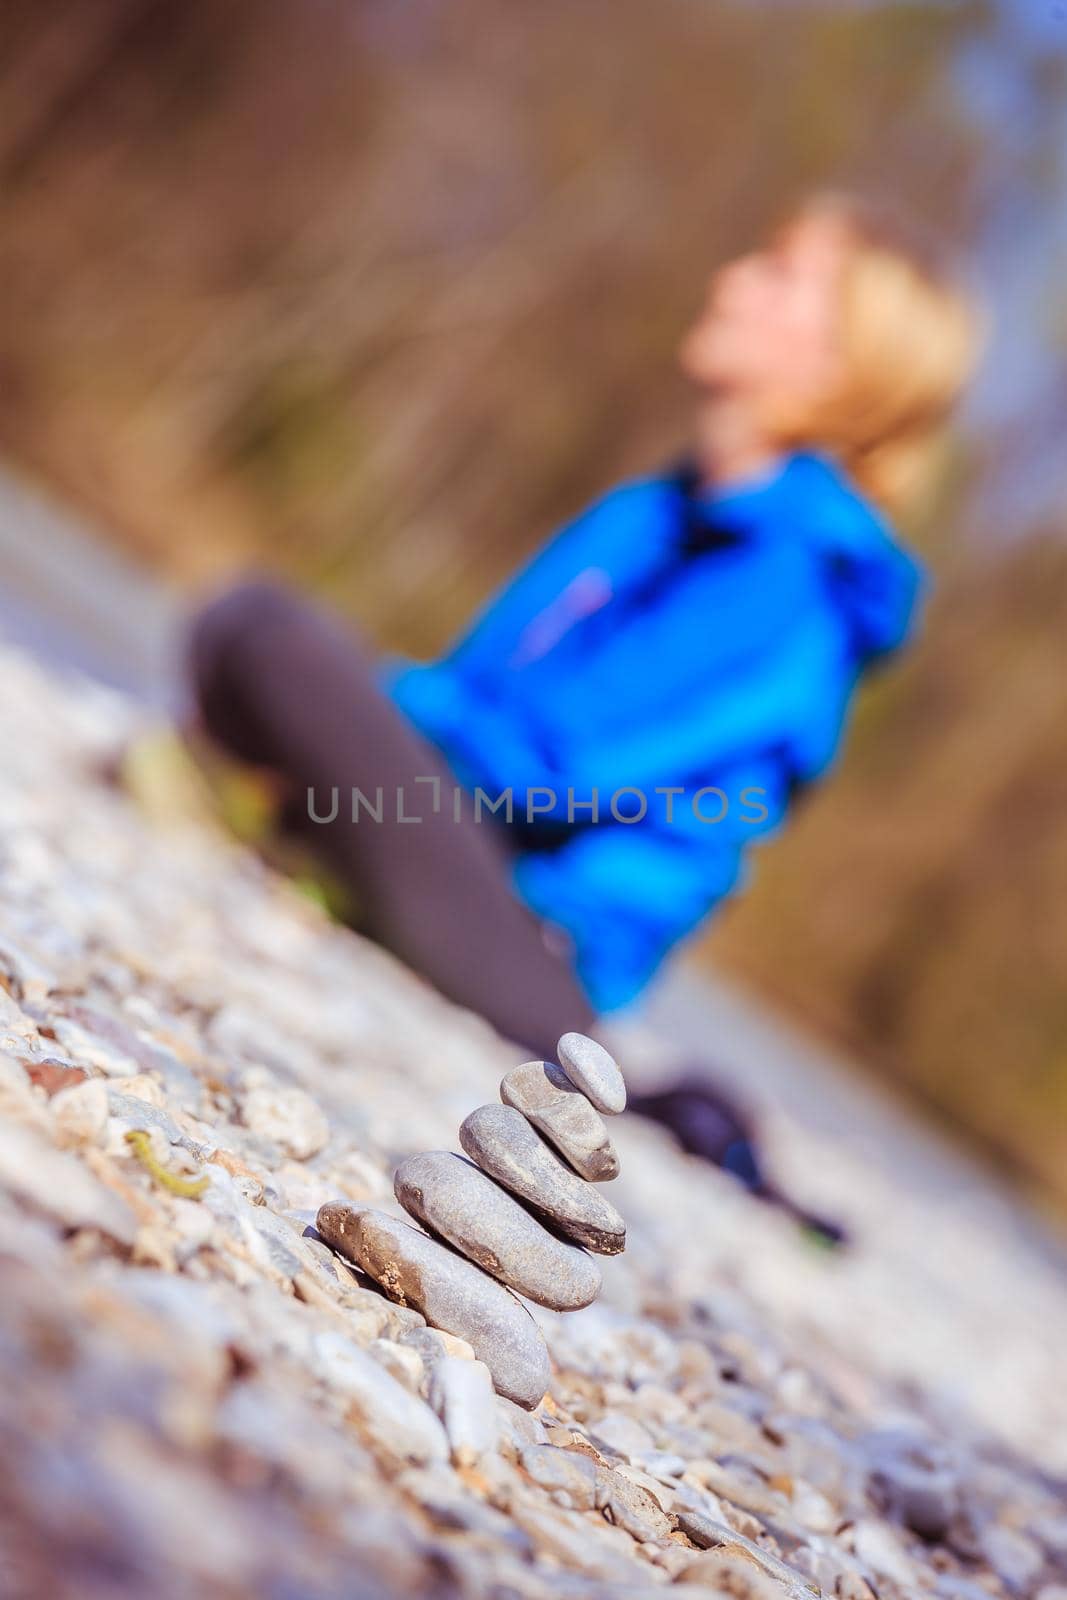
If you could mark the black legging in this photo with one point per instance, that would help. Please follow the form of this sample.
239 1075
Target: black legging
282 685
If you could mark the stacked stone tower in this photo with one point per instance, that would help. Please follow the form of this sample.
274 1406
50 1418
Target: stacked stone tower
521 1214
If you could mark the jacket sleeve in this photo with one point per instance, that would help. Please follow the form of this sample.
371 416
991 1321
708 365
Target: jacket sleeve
754 708
791 700
453 700
603 536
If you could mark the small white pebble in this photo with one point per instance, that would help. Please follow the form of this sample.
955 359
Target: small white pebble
461 1393
289 1118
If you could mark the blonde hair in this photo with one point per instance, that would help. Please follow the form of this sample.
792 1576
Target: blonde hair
911 338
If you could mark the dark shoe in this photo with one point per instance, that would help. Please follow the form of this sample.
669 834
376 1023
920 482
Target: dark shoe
708 1123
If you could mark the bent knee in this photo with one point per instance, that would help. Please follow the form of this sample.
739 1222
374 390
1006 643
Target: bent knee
238 613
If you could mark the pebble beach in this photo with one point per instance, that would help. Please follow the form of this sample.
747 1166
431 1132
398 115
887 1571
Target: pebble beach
201 1394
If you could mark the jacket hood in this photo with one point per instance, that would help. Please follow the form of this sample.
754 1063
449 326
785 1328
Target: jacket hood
872 578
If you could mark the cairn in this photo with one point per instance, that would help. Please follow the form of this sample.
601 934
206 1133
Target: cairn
520 1215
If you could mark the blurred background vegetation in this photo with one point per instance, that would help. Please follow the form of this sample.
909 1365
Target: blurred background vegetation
377 292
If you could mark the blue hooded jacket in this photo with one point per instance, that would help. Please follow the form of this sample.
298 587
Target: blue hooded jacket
668 638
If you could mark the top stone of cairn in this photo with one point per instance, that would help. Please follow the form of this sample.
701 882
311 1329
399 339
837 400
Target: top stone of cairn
590 1068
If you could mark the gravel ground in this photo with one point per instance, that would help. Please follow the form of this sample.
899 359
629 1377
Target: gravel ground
955 1283
197 1397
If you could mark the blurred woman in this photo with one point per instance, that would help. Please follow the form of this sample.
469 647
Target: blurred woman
647 696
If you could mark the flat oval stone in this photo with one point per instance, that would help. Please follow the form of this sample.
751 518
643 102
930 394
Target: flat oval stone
456 1200
504 1145
592 1070
451 1293
547 1098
